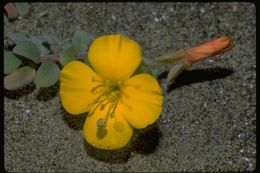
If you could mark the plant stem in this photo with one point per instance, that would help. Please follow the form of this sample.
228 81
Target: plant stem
54 57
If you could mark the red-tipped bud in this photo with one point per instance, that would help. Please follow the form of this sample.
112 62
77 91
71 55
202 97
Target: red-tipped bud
208 49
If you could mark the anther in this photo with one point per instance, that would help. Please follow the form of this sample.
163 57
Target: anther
96 80
96 106
112 115
95 88
102 107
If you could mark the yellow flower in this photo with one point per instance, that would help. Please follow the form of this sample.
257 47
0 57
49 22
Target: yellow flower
115 100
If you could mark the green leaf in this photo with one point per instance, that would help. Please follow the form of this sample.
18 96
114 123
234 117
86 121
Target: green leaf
29 50
19 78
142 68
18 37
81 41
22 8
54 43
38 43
68 55
47 75
52 39
66 46
11 62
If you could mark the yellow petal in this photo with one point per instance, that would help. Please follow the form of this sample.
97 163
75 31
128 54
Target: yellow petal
114 57
76 83
114 135
141 103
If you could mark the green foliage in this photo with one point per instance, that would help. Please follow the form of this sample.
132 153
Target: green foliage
28 50
47 74
53 41
18 37
11 62
40 57
142 68
68 55
19 78
80 41
38 42
66 46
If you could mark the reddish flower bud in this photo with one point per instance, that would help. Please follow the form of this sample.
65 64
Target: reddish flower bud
208 49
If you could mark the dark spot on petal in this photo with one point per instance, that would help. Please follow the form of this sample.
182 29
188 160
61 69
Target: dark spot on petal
118 126
101 133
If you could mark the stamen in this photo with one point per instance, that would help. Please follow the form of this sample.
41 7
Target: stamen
95 88
96 80
112 94
102 121
108 112
114 108
99 97
95 108
104 105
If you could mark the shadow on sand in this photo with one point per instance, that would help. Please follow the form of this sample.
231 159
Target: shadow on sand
197 75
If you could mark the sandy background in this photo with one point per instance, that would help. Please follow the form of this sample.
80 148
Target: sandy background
209 119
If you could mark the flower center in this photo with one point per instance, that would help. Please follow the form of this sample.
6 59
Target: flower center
114 87
108 94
